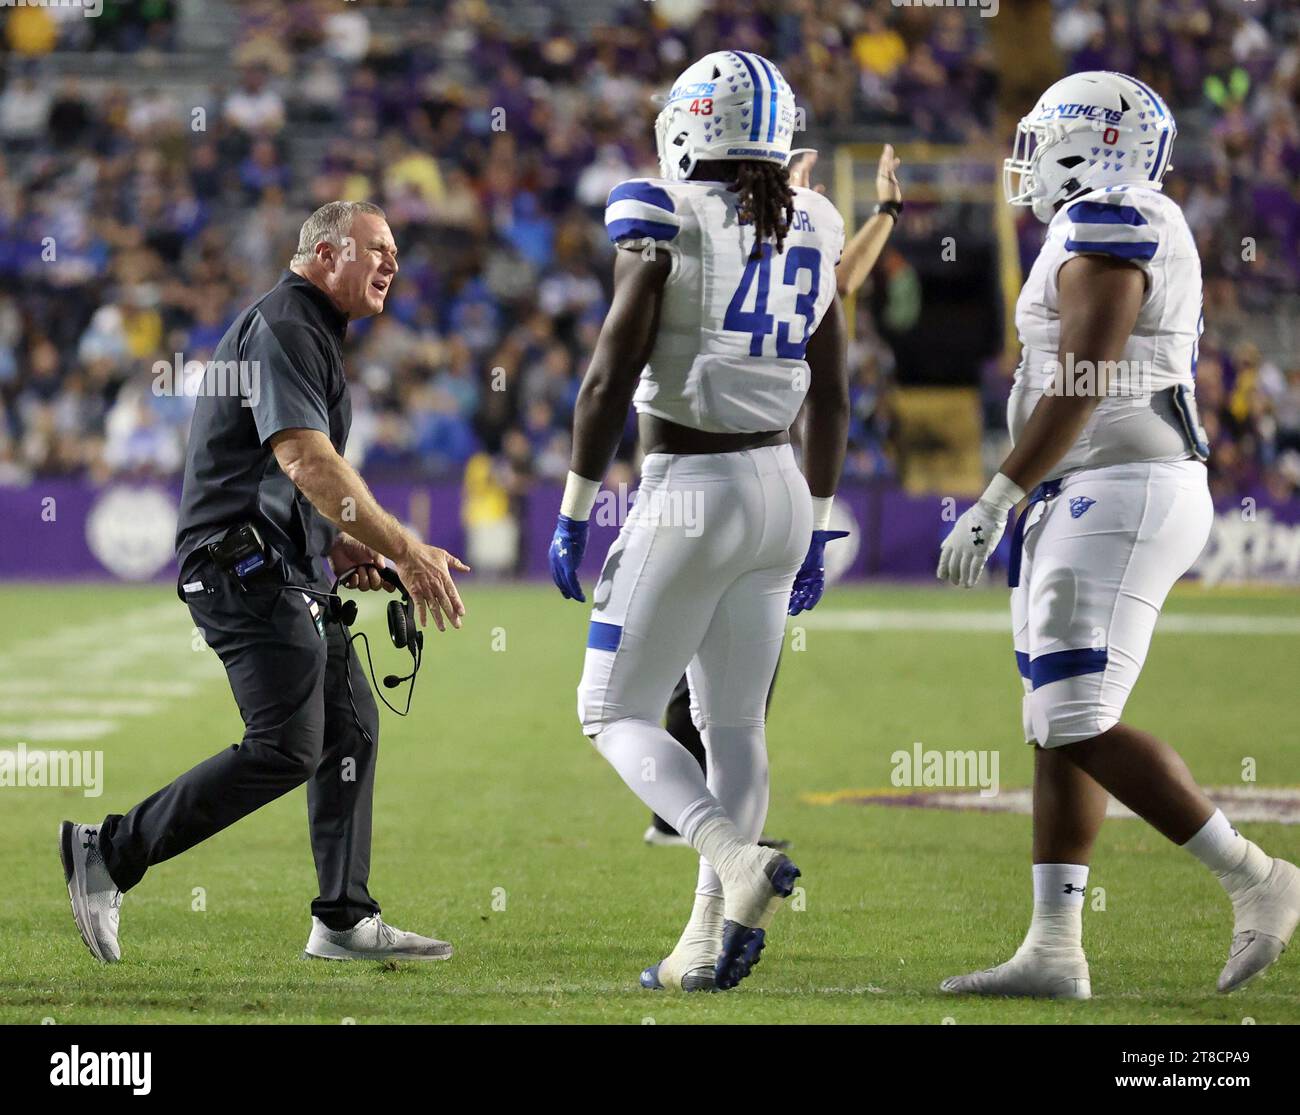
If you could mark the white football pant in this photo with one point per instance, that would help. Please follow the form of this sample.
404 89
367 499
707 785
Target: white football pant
699 577
1099 559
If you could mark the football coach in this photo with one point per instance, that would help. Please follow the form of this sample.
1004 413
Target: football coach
267 498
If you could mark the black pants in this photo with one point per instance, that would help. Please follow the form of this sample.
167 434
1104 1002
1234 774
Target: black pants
289 678
682 728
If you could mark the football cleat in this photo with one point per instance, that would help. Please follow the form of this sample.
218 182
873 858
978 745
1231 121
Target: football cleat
753 892
371 939
1264 919
681 974
95 898
1032 973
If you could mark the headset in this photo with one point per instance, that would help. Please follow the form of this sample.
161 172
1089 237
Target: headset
402 629
242 554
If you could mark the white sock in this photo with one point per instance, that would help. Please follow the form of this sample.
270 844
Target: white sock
1059 890
707 882
708 829
704 929
737 762
658 769
1238 863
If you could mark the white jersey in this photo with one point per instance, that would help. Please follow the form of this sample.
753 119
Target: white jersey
1148 413
729 353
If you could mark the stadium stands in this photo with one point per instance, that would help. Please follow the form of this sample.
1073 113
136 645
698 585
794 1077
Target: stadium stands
158 163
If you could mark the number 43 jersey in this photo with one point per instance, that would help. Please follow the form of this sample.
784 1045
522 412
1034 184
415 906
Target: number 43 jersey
733 326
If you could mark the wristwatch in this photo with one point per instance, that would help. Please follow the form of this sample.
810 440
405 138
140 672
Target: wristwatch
893 208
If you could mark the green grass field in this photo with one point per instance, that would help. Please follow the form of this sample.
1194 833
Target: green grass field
498 827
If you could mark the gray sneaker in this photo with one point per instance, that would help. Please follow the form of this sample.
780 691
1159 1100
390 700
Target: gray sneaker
95 897
371 939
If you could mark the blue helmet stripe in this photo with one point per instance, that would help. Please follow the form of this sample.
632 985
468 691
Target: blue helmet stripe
771 103
1158 163
1166 125
757 110
1155 97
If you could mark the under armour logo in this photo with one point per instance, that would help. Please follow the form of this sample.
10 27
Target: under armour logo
1070 888
978 535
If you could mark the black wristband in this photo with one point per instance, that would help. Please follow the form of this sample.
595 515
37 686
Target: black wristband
893 208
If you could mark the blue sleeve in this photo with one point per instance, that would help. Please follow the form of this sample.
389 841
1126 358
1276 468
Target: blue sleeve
641 209
1112 225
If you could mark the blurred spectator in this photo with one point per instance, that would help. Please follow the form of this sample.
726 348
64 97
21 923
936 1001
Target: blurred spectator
493 149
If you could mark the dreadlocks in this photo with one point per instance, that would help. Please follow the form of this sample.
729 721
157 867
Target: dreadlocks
765 198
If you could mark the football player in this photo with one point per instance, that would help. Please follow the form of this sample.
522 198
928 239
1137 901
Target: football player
859 257
1106 437
724 318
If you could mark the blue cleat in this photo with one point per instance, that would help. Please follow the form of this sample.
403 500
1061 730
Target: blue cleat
696 979
742 945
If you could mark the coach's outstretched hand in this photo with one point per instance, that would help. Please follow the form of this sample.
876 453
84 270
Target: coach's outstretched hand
567 547
810 581
426 572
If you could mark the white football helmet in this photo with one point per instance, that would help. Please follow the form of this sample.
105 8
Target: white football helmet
1087 131
728 105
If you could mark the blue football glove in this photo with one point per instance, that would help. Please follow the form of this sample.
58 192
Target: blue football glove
810 581
567 547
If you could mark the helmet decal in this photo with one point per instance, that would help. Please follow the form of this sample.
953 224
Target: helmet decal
728 105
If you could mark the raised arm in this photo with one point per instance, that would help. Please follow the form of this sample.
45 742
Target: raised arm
865 245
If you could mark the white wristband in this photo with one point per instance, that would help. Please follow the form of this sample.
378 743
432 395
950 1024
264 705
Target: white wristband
1002 493
579 497
822 512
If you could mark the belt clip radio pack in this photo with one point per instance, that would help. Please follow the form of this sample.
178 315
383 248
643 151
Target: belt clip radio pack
242 552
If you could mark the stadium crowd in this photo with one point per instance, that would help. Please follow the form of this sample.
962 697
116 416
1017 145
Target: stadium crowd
134 222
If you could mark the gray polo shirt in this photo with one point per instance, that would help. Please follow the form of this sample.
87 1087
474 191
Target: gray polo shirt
278 367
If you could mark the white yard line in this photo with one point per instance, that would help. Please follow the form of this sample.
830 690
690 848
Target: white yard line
84 679
51 731
118 686
77 706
